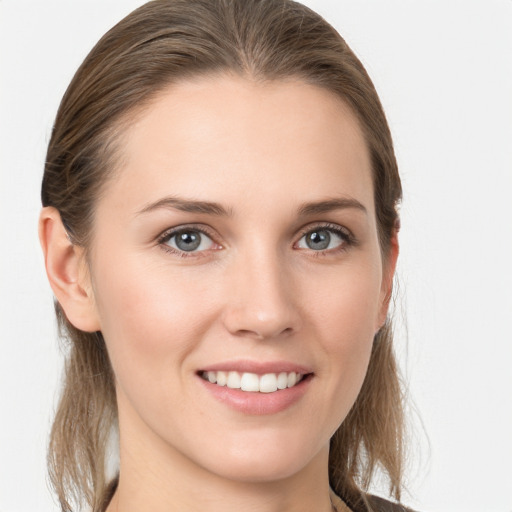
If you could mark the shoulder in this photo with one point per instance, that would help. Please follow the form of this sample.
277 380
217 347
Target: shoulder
370 503
382 505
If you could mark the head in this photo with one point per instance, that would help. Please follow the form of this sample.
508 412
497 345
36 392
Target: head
156 58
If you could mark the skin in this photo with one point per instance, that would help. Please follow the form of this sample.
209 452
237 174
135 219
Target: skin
255 290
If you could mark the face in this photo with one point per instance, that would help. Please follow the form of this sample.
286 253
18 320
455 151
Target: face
237 246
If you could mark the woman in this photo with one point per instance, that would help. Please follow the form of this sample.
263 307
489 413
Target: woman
220 233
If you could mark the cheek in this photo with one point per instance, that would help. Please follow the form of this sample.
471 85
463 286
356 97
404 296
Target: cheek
150 315
345 318
349 307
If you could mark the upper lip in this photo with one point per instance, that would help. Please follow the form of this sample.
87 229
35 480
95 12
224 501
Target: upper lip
258 367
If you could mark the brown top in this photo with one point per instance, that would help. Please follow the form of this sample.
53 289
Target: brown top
338 504
378 504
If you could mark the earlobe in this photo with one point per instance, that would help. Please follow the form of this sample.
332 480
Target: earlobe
387 278
67 272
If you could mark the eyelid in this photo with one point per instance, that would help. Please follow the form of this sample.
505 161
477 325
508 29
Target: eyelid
337 228
166 235
349 240
342 231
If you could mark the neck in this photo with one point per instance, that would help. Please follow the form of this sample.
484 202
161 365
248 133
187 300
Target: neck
155 477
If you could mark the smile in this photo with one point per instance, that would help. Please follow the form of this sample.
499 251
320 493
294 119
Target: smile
252 382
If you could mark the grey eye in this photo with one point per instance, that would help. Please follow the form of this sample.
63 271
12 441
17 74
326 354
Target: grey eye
320 239
190 240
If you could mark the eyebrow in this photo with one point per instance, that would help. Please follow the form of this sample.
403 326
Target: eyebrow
210 208
188 205
339 203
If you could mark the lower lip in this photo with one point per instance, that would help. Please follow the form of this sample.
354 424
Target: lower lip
255 403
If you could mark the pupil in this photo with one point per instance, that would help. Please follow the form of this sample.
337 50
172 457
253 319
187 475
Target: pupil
188 241
318 240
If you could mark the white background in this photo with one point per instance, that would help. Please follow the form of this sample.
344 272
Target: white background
443 69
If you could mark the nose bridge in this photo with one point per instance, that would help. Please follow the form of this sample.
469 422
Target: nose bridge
260 302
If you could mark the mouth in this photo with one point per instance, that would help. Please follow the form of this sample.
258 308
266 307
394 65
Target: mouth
256 387
253 382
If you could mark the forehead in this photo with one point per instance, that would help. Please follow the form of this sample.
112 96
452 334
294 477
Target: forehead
217 137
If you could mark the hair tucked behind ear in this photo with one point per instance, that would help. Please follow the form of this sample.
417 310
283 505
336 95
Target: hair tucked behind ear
82 425
355 452
159 44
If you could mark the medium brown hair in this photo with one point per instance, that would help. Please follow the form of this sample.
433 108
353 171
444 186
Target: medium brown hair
158 44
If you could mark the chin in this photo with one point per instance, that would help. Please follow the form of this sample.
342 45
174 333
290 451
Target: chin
271 470
253 463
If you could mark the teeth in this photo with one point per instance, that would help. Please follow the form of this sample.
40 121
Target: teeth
282 380
250 382
292 379
233 380
268 383
221 379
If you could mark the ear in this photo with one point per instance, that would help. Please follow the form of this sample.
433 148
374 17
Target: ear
67 272
389 268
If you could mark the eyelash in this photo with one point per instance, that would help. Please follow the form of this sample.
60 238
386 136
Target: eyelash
167 235
347 237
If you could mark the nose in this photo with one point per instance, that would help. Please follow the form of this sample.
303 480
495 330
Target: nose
260 299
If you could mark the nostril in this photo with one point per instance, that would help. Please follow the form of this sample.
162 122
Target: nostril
264 332
247 333
261 317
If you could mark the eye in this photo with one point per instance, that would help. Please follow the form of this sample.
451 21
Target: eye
324 238
187 240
